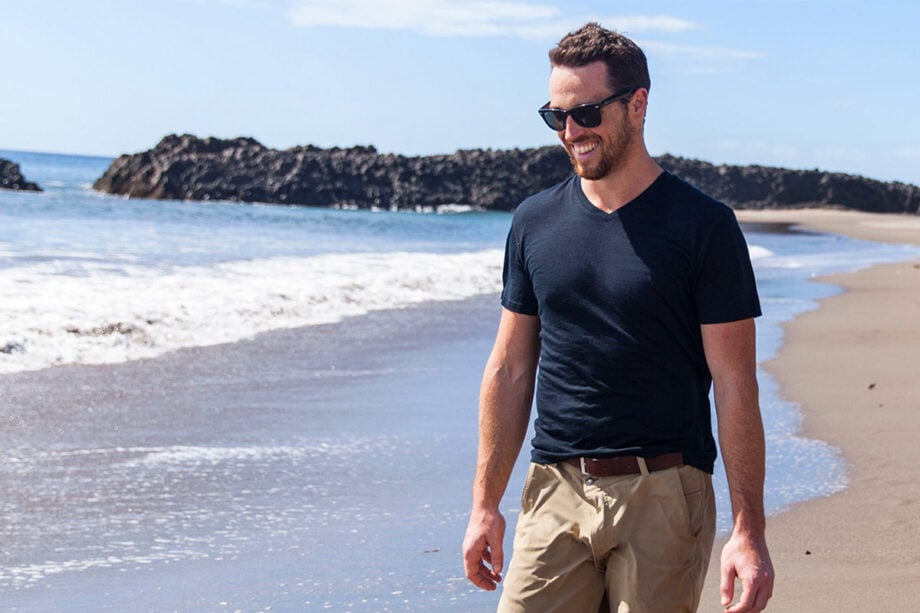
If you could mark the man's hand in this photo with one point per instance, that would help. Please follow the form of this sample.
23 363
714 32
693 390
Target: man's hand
748 560
482 548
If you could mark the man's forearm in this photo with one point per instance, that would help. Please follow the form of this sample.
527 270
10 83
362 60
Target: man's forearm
731 355
743 454
504 412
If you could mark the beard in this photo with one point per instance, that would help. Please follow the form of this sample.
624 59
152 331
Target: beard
613 149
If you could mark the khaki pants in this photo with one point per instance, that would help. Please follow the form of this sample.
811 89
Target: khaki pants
644 539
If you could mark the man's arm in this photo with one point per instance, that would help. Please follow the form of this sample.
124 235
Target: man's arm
731 354
504 412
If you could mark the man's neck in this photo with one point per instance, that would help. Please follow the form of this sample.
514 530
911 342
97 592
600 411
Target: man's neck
622 185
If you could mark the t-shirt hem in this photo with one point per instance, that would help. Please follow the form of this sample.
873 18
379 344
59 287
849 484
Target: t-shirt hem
517 307
730 317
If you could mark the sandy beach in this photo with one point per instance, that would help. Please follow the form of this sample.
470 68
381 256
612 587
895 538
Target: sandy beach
852 367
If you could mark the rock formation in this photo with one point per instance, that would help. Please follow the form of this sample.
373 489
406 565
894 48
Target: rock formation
762 187
241 169
11 178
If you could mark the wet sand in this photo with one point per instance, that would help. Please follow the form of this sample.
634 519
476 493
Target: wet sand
853 366
320 468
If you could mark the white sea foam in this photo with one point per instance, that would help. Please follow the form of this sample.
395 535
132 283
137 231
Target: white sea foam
29 461
52 314
758 252
193 455
86 310
25 575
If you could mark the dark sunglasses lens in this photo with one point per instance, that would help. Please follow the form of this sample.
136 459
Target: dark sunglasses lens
587 116
554 119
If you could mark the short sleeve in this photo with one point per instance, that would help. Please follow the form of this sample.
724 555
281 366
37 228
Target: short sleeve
517 288
725 289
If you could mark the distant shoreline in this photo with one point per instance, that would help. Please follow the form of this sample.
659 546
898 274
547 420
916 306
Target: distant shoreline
7 153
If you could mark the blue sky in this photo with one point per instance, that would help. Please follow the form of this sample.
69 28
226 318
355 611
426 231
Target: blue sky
820 84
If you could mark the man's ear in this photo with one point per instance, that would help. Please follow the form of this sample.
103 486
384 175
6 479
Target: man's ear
639 101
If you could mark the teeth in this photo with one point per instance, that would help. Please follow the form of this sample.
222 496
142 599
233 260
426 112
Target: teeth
582 149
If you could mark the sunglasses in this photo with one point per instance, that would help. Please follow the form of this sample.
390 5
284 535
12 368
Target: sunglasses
585 115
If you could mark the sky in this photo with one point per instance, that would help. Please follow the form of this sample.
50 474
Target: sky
800 84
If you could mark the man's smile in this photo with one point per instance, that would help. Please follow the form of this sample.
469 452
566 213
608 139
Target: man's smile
584 148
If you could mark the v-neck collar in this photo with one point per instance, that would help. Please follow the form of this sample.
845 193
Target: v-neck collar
649 193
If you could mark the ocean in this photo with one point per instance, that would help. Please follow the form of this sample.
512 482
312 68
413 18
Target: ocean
220 406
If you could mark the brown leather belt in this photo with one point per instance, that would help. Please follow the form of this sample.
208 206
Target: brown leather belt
624 465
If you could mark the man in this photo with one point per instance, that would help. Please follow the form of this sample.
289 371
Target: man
634 293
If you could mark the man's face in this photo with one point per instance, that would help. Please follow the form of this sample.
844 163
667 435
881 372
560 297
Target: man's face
594 152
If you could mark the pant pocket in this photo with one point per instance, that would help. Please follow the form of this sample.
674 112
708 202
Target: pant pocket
698 498
526 497
541 482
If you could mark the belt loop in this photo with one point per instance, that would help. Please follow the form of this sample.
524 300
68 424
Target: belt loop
643 467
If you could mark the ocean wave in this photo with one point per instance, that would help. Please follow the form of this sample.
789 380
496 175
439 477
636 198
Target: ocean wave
105 314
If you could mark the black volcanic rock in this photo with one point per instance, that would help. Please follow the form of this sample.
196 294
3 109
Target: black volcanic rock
11 178
241 169
763 187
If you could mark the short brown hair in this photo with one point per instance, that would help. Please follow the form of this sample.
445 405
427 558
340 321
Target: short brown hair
626 63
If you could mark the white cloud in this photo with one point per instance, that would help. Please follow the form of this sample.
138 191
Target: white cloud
701 59
468 18
252 4
842 153
508 19
646 23
769 152
432 17
910 154
703 53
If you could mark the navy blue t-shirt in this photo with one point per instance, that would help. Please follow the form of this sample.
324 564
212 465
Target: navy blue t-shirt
621 297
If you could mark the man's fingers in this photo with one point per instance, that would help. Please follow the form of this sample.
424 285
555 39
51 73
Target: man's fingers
762 597
727 585
474 561
485 578
496 556
478 574
746 601
754 598
483 558
496 569
482 576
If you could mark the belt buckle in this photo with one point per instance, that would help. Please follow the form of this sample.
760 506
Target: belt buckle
584 468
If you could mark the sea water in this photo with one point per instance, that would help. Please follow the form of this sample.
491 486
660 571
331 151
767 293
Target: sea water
270 467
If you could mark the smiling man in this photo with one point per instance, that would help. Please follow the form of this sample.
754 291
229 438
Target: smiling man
634 294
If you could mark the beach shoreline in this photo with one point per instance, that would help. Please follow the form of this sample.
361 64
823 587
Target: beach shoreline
170 466
851 366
